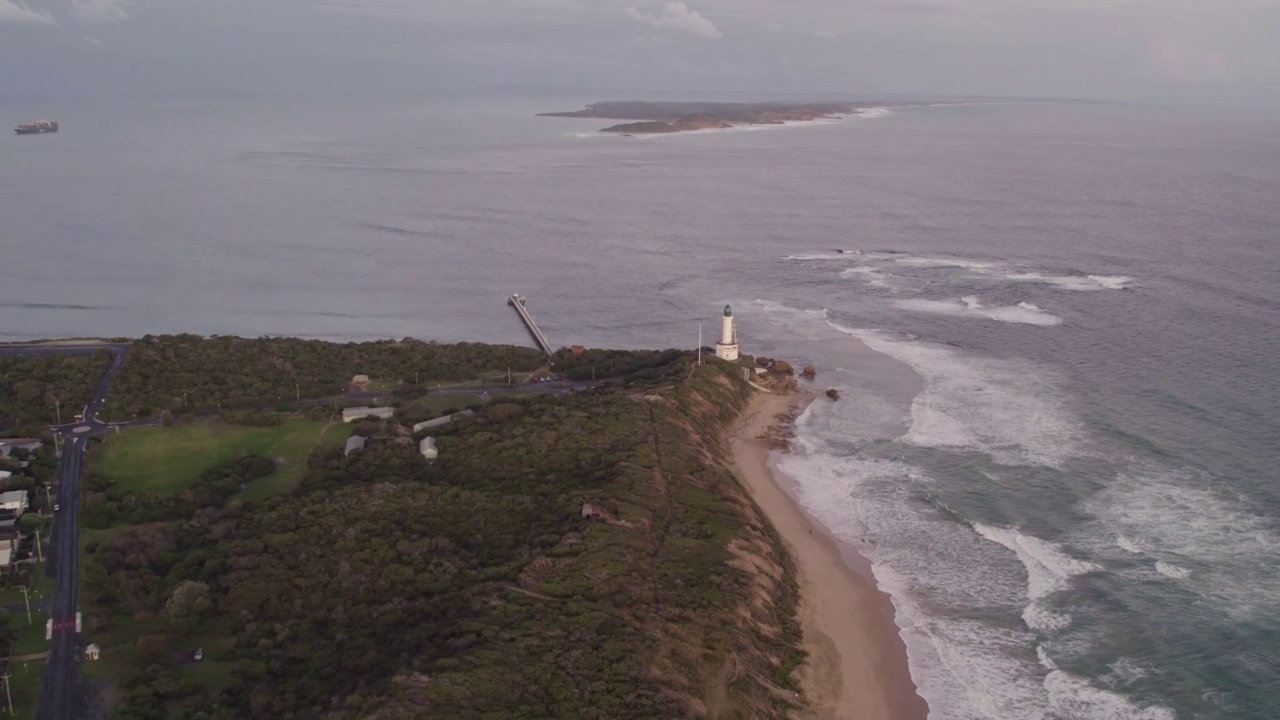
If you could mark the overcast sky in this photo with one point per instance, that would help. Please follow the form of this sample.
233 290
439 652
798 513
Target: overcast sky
1221 51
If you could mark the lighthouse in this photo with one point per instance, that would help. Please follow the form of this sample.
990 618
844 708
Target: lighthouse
727 348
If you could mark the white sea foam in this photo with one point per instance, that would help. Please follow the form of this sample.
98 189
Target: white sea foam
1080 283
870 275
1173 571
964 668
1212 543
1125 671
1041 619
1112 282
971 307
773 307
938 571
1127 544
1074 697
1048 568
1008 409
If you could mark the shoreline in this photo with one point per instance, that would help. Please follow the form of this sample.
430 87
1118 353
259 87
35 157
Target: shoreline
857 665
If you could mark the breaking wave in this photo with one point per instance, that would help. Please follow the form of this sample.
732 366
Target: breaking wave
969 307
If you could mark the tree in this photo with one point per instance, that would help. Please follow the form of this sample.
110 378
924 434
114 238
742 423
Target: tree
187 601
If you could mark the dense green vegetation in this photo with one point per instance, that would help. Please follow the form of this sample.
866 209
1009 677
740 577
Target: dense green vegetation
188 373
472 587
31 388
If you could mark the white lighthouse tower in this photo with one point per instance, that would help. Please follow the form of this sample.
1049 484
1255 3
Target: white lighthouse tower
727 348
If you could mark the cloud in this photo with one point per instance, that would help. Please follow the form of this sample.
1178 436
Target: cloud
99 11
678 16
13 13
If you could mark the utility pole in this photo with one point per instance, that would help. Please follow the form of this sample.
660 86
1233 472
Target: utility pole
7 694
297 390
26 595
57 405
699 343
57 445
39 559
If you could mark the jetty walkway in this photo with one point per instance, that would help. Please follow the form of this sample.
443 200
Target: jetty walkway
517 302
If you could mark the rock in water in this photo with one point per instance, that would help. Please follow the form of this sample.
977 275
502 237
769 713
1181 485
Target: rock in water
809 371
833 394
782 367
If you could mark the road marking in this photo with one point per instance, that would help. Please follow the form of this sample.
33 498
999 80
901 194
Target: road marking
81 429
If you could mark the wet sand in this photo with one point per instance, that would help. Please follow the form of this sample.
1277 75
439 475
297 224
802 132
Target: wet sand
857 665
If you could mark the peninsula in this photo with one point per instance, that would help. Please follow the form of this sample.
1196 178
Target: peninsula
280 527
647 118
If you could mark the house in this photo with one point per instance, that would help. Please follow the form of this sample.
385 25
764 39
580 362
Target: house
591 512
441 421
428 448
8 546
8 518
5 475
359 413
15 500
7 445
354 443
92 652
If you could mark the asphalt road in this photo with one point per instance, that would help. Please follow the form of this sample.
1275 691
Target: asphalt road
62 697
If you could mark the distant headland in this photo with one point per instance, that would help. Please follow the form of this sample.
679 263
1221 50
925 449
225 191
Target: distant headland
649 118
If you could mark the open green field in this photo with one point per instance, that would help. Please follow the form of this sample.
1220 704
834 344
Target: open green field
168 460
29 638
25 679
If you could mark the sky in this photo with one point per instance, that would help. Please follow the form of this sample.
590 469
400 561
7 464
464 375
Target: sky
1168 51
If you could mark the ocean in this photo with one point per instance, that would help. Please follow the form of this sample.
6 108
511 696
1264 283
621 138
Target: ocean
1053 327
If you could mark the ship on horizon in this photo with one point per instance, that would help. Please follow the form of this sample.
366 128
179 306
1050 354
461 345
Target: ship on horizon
38 127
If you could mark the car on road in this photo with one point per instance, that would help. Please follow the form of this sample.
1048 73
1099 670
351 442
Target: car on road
55 507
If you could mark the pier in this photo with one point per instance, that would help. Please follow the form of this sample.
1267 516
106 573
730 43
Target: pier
517 302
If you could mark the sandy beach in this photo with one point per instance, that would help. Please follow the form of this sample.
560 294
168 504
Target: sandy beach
857 665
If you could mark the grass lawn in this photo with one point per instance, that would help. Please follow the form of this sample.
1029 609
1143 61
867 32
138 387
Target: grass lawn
168 460
25 679
29 639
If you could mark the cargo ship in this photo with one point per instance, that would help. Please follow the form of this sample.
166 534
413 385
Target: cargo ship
38 127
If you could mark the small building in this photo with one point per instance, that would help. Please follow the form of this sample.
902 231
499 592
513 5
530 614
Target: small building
359 413
8 518
360 380
5 475
8 546
92 652
428 448
354 443
577 350
7 445
591 512
441 421
15 500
